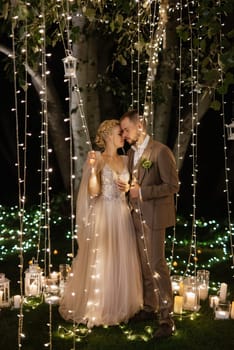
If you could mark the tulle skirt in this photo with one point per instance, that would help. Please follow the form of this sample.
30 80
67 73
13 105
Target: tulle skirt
105 287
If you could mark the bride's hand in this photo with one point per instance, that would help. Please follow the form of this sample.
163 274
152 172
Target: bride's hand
122 186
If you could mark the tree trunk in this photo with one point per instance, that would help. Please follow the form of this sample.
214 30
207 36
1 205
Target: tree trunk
166 74
85 50
183 139
55 118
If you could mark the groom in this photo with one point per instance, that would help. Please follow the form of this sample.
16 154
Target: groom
154 181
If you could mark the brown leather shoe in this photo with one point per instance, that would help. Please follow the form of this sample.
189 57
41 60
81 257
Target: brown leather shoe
143 316
165 330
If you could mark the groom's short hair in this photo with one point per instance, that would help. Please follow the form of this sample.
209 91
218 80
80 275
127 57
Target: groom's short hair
134 116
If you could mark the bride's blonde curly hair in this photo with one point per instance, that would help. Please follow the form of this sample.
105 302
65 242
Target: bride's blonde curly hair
105 129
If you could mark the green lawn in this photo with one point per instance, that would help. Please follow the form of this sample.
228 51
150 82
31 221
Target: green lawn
202 332
42 324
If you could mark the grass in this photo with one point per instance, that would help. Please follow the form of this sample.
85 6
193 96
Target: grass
199 332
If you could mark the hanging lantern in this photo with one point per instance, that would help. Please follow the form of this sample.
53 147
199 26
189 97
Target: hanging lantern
33 280
4 291
70 66
230 130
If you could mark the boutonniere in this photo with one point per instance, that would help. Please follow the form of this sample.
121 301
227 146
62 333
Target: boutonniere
146 163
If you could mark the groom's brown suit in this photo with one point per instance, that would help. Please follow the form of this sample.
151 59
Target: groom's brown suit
158 184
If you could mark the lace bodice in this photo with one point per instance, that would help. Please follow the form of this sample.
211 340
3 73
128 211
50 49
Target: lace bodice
110 190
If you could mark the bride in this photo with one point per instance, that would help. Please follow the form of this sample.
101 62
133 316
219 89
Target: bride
105 286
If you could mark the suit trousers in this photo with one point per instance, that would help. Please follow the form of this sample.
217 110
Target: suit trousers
157 291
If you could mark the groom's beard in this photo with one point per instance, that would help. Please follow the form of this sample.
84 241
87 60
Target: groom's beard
136 139
133 142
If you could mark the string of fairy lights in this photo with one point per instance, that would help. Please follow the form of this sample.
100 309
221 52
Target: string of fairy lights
148 104
70 88
21 183
179 8
193 56
157 37
68 50
155 42
226 166
45 165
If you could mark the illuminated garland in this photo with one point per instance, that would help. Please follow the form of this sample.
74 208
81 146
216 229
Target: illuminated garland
226 168
157 36
8 225
21 170
180 120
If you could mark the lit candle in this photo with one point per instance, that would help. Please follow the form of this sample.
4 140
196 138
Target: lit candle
16 301
223 292
52 299
54 276
175 286
54 288
178 304
222 311
191 300
33 289
1 295
203 291
232 310
221 315
214 301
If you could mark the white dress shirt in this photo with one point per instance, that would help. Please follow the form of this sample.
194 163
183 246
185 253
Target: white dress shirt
138 150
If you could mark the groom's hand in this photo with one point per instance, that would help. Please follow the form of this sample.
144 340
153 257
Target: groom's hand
134 190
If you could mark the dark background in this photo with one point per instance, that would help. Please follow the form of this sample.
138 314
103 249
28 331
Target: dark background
211 199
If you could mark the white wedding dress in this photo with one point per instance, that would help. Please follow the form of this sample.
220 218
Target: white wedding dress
105 287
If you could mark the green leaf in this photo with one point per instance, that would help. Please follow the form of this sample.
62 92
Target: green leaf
211 75
122 60
230 34
90 13
112 26
5 10
203 44
216 105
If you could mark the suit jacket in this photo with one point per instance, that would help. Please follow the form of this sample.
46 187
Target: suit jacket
158 185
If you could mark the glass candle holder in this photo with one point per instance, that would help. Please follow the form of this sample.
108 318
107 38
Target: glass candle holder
4 291
203 276
191 294
203 279
223 292
232 310
176 283
64 270
51 292
213 301
222 311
